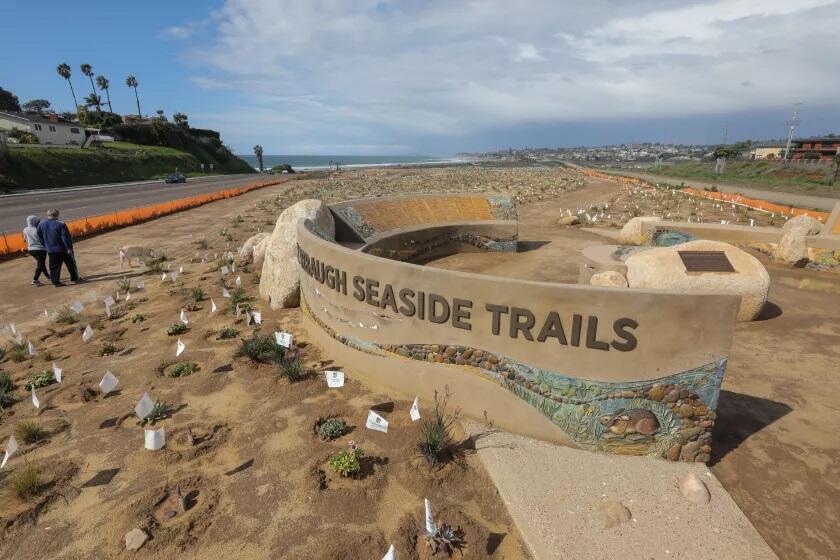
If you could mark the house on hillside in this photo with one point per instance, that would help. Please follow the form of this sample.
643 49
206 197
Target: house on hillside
767 152
49 129
134 119
824 148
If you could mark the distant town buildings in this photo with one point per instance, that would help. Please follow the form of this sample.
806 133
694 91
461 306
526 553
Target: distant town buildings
767 152
823 148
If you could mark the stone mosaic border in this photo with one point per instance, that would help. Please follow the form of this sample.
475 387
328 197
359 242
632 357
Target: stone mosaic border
671 417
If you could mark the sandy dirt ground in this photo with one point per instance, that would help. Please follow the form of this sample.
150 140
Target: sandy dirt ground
254 472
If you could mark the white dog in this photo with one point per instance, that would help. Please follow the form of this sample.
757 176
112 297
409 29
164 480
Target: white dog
136 252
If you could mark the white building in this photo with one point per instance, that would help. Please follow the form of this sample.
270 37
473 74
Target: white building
49 129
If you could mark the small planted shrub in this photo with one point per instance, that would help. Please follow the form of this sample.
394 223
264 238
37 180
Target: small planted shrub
347 462
25 483
65 315
197 294
29 432
261 348
2 354
107 349
226 235
203 244
228 333
290 367
445 539
124 285
6 382
182 369
238 219
159 412
436 436
6 398
41 379
331 428
17 352
237 297
155 264
175 329
138 318
256 278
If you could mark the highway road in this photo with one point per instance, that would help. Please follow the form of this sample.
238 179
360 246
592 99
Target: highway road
78 202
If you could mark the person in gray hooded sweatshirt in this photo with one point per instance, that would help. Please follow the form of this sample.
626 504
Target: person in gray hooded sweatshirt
36 248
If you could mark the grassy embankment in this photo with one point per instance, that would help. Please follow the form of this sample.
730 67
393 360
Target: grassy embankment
811 179
37 167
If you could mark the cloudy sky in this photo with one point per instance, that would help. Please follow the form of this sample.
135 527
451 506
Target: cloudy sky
437 77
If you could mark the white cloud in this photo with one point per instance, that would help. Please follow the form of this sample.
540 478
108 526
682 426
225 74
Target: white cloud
368 72
178 32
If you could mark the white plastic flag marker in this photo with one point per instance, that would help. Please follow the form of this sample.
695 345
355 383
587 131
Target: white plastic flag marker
283 339
122 257
155 439
141 285
238 311
11 447
109 301
144 406
173 276
57 372
18 338
225 270
184 317
335 379
108 311
109 382
31 348
248 317
257 315
88 334
430 521
752 222
390 555
180 348
232 266
168 266
46 314
376 422
180 270
35 402
163 277
212 306
13 328
127 295
238 281
415 410
225 293
77 307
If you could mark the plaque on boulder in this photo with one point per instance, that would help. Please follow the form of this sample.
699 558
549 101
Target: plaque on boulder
705 261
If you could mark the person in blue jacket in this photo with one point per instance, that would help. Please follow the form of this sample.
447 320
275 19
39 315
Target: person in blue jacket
59 245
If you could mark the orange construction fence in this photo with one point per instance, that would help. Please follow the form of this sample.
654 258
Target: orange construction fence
754 203
15 243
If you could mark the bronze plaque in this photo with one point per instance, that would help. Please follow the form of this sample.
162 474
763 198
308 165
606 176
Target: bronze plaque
705 261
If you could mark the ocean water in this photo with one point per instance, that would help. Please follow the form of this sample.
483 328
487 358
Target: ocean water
323 162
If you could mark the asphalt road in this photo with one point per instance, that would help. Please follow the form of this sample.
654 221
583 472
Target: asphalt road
78 202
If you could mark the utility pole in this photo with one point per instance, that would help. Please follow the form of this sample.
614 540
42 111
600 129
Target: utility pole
792 124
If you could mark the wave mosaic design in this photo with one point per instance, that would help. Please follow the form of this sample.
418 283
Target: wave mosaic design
671 417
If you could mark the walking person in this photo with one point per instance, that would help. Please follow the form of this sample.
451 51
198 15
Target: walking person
59 245
35 246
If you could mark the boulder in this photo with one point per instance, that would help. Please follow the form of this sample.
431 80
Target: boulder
280 279
792 249
662 268
246 252
611 513
260 248
135 538
694 489
609 279
633 232
568 221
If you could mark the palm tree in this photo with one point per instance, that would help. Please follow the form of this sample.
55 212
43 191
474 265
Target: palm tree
63 70
131 81
93 100
87 70
258 151
104 84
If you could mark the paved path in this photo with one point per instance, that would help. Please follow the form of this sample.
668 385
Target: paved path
552 493
779 197
78 202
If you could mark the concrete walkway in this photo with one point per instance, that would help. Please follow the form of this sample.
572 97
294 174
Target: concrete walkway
551 493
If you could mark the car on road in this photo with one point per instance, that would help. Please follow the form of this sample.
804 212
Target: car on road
176 178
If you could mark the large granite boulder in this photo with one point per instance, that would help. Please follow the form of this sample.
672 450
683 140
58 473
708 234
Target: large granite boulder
792 249
633 232
662 268
280 279
248 249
